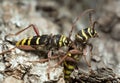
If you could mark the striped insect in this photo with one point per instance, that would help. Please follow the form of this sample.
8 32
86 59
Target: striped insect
70 64
43 42
84 35
81 41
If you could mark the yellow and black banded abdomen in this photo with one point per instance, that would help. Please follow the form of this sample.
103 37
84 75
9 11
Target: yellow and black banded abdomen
35 40
69 65
55 41
84 34
68 69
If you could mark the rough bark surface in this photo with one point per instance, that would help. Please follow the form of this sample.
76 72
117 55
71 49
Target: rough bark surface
57 16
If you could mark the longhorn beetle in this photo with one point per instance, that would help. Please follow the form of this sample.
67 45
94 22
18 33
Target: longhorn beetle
43 42
81 41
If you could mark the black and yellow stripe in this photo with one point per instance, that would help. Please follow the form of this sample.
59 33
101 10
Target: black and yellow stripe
55 41
35 40
83 35
69 66
58 41
68 69
63 41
